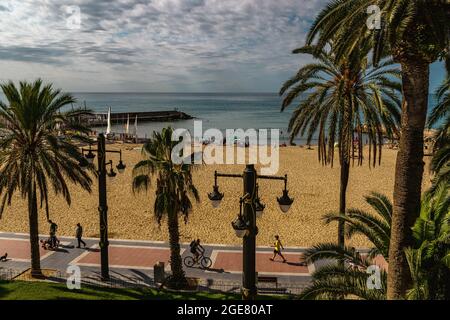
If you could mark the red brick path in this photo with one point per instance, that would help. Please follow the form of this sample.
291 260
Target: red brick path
128 256
232 261
19 249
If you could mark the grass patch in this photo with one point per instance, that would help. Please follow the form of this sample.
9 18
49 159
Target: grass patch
28 290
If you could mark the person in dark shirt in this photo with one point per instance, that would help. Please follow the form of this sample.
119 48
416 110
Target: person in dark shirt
79 235
53 240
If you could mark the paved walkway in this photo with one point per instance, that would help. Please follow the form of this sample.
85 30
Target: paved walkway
136 258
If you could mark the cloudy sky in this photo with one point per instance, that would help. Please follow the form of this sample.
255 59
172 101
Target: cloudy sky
155 45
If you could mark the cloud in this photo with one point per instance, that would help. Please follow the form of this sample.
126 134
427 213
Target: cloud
160 41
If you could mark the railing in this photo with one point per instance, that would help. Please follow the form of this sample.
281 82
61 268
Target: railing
129 281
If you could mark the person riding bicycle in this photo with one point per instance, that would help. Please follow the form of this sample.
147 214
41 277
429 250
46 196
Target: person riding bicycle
196 249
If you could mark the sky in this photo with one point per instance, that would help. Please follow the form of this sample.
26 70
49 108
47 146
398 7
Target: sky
157 45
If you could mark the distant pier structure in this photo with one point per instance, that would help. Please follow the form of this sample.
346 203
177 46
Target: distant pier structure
101 119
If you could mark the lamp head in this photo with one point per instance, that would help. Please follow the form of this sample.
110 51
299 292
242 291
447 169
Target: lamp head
259 208
239 226
285 201
215 197
121 167
90 156
111 173
83 163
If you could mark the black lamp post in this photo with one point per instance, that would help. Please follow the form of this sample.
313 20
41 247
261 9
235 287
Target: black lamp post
102 198
245 224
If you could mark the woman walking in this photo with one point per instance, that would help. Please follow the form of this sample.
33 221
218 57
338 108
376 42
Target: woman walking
277 249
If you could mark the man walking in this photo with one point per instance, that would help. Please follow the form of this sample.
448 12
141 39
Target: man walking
53 229
79 235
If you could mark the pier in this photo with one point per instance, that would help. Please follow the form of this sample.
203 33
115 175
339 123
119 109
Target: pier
101 119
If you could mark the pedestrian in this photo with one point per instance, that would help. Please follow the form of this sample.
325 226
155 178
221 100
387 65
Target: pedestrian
53 229
79 235
277 249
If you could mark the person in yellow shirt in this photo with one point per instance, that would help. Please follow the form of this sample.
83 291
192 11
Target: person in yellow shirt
277 249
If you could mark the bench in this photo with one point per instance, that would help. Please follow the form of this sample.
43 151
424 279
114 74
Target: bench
270 290
268 280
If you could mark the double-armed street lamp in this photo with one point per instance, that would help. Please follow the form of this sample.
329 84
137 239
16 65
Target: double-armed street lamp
102 199
245 223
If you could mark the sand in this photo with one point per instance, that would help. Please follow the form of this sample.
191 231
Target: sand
314 187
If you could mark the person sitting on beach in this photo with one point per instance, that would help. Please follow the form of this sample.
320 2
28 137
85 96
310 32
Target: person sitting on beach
277 249
3 258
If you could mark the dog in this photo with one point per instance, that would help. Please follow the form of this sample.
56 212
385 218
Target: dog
3 258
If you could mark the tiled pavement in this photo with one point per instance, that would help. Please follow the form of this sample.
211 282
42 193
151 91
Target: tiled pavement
135 259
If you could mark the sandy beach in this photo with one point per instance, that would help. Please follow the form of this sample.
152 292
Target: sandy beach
314 187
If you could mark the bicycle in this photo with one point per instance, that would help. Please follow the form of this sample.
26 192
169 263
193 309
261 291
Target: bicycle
204 261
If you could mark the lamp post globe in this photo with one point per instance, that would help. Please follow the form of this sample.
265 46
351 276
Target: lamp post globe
240 227
112 173
259 208
121 167
83 163
285 202
215 197
90 156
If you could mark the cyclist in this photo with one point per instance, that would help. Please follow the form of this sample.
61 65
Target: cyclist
196 249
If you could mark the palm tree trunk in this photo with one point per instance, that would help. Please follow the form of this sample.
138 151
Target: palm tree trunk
345 171
34 233
178 279
408 172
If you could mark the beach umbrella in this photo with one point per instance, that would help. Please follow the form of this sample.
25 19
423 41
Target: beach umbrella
108 128
127 128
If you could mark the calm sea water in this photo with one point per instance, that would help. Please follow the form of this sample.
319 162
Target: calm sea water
216 110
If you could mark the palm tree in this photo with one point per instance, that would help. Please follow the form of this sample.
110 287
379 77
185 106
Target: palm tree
32 158
416 33
428 259
350 279
174 187
342 102
440 163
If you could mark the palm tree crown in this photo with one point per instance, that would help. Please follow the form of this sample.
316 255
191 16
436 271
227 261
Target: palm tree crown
33 159
341 101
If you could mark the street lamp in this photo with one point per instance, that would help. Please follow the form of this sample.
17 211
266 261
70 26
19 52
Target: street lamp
102 199
239 225
215 196
285 202
259 206
245 223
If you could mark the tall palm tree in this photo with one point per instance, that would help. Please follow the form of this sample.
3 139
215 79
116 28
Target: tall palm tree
415 33
345 103
174 189
440 163
32 158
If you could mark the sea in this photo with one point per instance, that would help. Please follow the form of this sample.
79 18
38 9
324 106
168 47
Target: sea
216 110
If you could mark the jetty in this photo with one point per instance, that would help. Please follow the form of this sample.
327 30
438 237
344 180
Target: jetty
101 119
